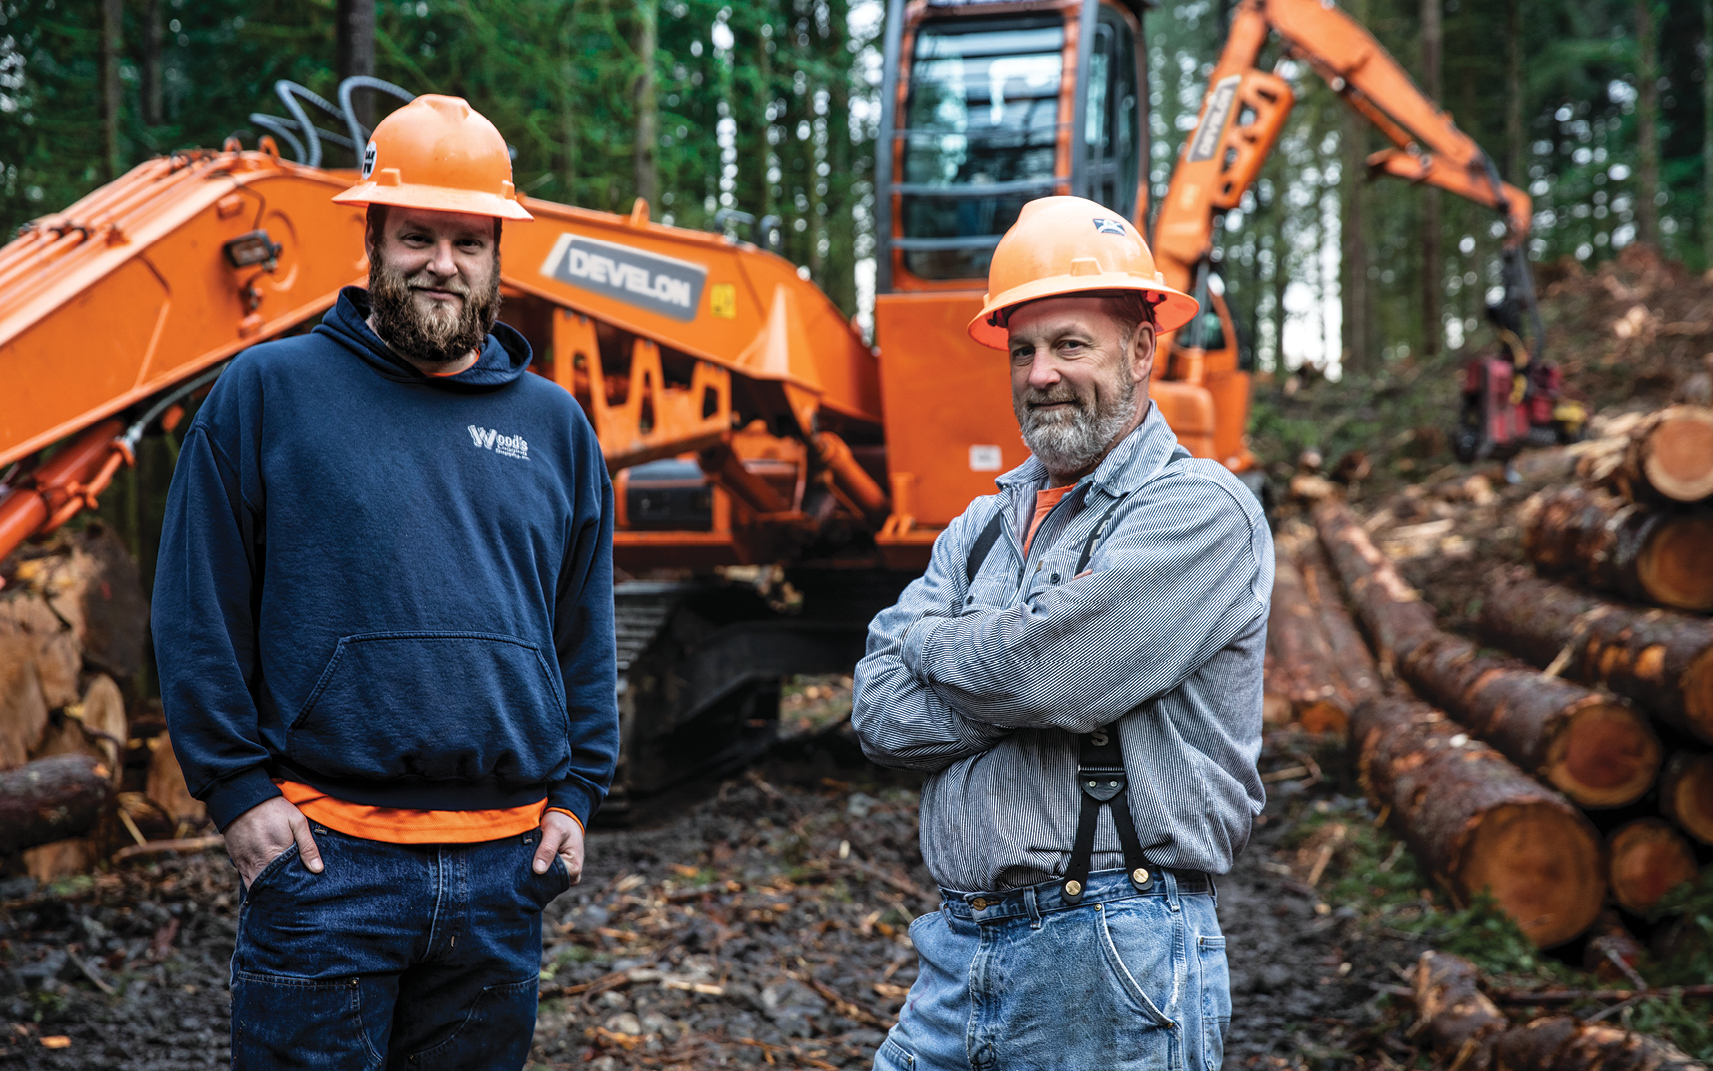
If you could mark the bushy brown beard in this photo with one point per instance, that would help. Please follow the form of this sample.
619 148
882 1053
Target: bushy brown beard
431 338
1070 441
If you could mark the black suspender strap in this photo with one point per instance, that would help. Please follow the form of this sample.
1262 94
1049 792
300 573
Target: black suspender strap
1094 537
983 544
1103 782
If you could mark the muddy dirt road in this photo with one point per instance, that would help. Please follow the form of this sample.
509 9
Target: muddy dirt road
759 922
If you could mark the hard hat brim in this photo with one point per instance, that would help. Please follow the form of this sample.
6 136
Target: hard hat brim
1172 308
434 199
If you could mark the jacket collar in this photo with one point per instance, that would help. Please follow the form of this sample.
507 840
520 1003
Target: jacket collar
1138 458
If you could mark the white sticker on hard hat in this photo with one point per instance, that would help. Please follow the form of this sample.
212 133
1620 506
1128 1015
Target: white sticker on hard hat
985 459
369 160
1108 226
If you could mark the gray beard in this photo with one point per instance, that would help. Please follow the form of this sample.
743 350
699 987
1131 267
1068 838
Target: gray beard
1071 442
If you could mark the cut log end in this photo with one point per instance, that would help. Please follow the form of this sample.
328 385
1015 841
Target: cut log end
1323 717
1541 864
1679 461
1673 566
1648 860
1604 756
1698 695
1686 794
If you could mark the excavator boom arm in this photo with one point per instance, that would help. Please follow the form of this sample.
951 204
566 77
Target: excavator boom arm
1246 108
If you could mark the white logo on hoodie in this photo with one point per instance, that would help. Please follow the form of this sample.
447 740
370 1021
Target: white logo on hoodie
507 445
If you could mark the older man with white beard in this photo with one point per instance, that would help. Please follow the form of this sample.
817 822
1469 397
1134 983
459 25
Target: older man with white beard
1079 671
384 623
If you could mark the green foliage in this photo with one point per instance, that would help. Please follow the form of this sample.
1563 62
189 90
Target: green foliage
753 101
1688 910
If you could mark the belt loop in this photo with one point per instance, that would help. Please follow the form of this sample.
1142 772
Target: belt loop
1171 882
1034 907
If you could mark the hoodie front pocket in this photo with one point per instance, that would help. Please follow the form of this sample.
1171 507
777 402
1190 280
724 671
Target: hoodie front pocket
434 705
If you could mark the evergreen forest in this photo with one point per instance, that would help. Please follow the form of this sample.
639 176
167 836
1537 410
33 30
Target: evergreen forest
723 114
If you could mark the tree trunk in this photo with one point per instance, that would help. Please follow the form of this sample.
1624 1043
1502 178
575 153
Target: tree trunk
356 54
1303 670
153 111
1669 457
1516 135
1468 1031
1647 124
1359 353
1476 821
51 799
839 276
1662 661
1592 747
1432 271
1350 653
1707 131
1646 554
1391 611
1686 793
647 134
1647 859
112 91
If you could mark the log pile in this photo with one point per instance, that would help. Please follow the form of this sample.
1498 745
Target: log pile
81 775
1468 1032
1318 667
1559 761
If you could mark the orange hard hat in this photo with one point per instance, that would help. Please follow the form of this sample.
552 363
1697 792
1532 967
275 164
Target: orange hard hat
438 153
1071 245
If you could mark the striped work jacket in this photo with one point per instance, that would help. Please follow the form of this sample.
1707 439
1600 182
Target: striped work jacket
987 683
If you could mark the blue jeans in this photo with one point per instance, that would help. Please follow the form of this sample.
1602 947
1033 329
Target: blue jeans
1124 980
394 956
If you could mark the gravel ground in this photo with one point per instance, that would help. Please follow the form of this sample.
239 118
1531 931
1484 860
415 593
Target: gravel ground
760 921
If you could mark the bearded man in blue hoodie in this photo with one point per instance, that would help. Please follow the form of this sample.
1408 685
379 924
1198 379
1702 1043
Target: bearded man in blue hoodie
383 619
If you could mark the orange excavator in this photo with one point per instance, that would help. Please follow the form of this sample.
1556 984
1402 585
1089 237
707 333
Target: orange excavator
746 421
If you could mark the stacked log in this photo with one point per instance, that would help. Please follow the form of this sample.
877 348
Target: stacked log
1593 747
1476 821
1467 1031
1686 793
1669 456
1646 859
72 625
1316 662
1632 549
1661 660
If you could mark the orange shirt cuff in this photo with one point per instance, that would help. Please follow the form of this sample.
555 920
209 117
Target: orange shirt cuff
569 815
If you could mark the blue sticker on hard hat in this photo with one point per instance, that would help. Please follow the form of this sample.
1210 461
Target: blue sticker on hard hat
1108 226
369 160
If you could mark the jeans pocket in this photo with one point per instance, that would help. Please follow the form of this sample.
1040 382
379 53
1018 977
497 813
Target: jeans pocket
1132 981
497 1032
893 1057
279 1021
1215 999
270 873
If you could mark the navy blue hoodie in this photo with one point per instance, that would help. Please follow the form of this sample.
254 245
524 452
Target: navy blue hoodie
393 587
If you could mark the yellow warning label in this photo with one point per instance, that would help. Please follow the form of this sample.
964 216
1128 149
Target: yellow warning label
723 300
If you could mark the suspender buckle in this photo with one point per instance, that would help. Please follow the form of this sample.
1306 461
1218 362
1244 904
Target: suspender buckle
1101 782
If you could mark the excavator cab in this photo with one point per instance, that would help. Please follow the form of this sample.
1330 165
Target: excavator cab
986 106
